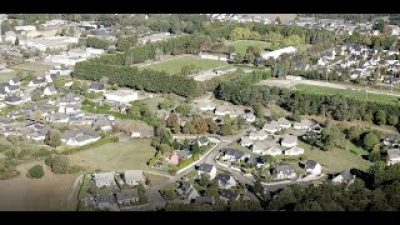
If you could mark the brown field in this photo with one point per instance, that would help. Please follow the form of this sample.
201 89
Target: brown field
50 193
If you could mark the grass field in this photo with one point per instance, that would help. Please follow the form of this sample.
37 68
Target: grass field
336 160
242 45
115 156
38 69
174 66
360 95
6 76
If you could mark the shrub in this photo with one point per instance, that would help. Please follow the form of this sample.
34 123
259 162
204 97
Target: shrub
60 164
36 172
74 169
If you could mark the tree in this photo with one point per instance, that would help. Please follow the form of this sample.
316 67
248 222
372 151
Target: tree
204 180
370 140
53 138
393 119
380 117
16 41
212 127
258 110
375 154
60 164
36 172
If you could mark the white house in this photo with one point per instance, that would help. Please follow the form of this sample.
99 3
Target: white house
289 141
393 156
122 95
79 138
233 155
272 127
284 172
275 54
208 169
344 177
284 123
258 135
293 151
104 179
312 167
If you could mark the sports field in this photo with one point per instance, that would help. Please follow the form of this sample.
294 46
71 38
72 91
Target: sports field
175 65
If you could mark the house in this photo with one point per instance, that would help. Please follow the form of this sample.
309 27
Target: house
14 100
259 147
50 78
58 118
61 70
202 141
173 158
255 161
393 50
284 172
273 151
127 197
70 110
293 151
303 125
249 117
277 53
15 81
312 167
11 89
104 179
208 169
184 154
38 82
258 135
233 155
96 87
289 141
271 127
228 195
284 123
133 177
344 177
102 123
105 201
49 90
79 138
188 192
246 141
225 181
393 156
204 200
69 99
391 140
122 95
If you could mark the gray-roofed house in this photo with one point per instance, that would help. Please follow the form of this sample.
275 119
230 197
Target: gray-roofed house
127 197
233 155
96 87
104 179
38 82
228 195
344 177
102 123
134 177
79 138
188 192
393 156
225 181
295 150
312 167
284 172
289 141
260 147
258 135
208 169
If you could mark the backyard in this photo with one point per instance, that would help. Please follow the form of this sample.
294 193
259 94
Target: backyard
128 155
175 65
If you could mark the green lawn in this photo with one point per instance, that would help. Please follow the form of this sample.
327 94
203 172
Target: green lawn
336 160
360 95
242 45
174 66
115 156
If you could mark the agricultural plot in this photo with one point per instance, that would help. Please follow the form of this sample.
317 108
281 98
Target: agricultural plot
174 66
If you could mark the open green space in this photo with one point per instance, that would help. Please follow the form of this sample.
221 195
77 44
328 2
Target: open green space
115 156
174 66
359 95
242 45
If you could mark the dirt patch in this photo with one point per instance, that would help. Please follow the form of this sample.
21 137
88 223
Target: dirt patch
50 193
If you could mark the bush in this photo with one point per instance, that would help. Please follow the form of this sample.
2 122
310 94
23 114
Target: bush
60 164
74 169
36 172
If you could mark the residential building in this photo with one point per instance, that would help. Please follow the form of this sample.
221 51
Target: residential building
284 172
393 156
104 179
134 177
312 167
344 177
122 95
225 181
293 151
208 169
289 141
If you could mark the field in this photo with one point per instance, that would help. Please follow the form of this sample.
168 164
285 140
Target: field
242 45
115 156
38 69
50 193
337 160
175 65
360 95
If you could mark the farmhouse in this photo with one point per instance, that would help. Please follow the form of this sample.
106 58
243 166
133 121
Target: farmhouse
122 96
303 125
104 179
284 123
202 141
208 169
